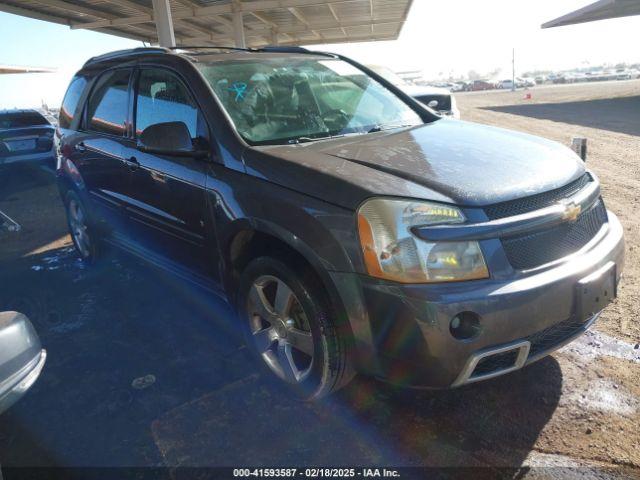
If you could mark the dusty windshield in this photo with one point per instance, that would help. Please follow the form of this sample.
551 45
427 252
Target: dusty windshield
286 100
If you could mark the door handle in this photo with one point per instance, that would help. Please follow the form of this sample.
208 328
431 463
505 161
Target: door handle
132 163
81 147
158 177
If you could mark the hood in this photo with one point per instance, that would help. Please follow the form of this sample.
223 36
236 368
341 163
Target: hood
448 160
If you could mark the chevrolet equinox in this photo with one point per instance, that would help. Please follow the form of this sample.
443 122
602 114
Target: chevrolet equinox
352 228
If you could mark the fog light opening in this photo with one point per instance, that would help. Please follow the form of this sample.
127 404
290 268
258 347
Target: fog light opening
465 325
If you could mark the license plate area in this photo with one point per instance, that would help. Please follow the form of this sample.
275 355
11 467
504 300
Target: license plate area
596 291
21 145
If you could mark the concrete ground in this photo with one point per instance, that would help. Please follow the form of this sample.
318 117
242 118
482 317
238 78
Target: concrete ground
144 370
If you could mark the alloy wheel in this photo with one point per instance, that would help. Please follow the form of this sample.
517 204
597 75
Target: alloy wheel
280 329
78 224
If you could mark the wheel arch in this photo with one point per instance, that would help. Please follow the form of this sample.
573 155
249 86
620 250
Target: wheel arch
251 238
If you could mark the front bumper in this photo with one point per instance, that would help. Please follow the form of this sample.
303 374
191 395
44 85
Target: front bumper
402 331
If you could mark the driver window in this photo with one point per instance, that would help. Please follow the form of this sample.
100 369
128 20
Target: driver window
161 98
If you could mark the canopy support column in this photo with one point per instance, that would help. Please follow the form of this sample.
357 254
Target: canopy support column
164 23
238 26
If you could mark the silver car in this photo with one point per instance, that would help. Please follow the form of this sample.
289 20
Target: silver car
22 357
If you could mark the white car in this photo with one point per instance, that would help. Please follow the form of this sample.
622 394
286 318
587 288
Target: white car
439 99
436 98
505 84
528 82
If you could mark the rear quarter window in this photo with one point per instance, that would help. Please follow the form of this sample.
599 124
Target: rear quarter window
108 105
70 102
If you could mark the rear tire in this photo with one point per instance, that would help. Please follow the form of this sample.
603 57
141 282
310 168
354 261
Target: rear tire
290 328
84 235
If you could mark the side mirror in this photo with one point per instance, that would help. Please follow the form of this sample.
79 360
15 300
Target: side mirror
169 138
21 357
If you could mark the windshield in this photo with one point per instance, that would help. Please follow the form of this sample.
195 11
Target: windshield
288 100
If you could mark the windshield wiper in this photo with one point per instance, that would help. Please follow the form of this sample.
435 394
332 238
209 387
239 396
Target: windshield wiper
377 128
306 139
380 128
295 140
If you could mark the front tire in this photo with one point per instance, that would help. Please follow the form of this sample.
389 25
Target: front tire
291 329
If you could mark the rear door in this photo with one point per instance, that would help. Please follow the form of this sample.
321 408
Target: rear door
98 148
168 201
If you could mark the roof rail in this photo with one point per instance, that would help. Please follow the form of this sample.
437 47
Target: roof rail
122 53
210 47
283 49
268 48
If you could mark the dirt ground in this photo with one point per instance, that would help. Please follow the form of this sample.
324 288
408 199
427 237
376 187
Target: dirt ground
608 115
143 371
604 387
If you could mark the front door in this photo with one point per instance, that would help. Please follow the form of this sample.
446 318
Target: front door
168 198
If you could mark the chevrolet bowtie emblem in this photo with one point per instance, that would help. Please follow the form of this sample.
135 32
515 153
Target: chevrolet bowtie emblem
571 212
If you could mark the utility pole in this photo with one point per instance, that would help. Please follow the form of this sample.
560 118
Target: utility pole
513 70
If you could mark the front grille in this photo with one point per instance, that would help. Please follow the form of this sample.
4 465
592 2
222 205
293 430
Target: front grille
554 335
534 249
538 201
496 363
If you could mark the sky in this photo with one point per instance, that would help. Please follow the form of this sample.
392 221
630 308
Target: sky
440 37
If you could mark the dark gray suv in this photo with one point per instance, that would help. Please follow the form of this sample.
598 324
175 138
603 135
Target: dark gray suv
353 229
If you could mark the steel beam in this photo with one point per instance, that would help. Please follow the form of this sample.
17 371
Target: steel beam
164 23
238 25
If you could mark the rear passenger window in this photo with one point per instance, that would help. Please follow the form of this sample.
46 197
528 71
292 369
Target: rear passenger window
70 102
162 97
109 103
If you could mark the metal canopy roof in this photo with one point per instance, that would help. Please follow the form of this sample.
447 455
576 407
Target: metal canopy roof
601 10
8 69
204 22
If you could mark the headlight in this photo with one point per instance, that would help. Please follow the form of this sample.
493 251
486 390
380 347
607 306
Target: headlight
392 252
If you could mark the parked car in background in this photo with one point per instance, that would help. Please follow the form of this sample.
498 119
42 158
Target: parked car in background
528 82
52 117
479 85
439 99
623 74
21 357
505 84
26 136
352 228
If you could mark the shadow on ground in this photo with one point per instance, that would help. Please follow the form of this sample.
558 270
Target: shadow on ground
29 196
614 114
145 370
